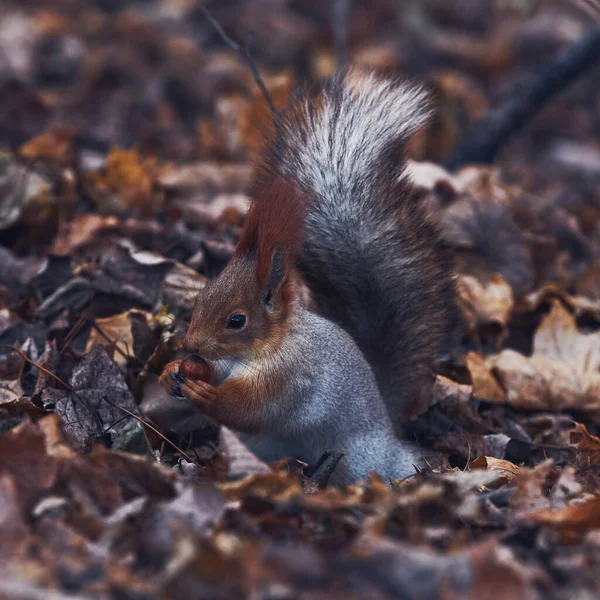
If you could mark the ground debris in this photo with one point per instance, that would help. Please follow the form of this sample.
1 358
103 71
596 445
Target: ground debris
128 133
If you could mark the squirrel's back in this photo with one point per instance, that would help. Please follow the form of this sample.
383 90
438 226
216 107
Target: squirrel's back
371 255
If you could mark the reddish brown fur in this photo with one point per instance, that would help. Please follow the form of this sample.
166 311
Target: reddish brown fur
274 222
274 225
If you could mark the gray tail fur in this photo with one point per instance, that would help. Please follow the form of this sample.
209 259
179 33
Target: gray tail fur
371 254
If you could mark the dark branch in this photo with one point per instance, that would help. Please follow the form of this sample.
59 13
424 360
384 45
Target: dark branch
323 470
491 132
244 52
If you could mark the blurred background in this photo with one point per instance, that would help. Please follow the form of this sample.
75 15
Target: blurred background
156 73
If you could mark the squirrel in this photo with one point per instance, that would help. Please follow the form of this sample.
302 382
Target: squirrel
332 212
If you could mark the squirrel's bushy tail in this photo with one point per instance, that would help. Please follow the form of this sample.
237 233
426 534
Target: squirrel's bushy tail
371 255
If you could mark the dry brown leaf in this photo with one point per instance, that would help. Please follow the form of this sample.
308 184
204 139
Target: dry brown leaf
484 306
468 445
485 386
428 176
241 460
586 447
445 389
24 194
223 208
117 332
563 372
24 456
128 184
498 574
579 305
80 230
506 470
530 495
55 145
10 391
572 520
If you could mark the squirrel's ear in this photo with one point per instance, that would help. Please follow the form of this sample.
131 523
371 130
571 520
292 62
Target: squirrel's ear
275 278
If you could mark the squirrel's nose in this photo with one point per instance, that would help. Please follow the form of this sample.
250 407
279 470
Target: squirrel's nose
189 345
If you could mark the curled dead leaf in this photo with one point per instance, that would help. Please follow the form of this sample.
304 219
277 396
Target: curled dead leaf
485 385
116 331
562 374
579 305
586 447
571 521
55 146
486 306
505 470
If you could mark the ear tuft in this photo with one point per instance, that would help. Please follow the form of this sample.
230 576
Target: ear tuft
277 271
275 278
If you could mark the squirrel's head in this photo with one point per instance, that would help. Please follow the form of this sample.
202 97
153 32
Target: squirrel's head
238 315
244 312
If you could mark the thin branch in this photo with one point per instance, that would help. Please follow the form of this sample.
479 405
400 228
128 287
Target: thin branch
490 133
156 431
244 52
74 331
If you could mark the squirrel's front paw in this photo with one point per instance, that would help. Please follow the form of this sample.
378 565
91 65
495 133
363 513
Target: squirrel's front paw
201 394
169 378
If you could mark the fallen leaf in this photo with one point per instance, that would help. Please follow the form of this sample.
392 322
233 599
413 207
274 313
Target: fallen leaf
497 573
55 146
488 306
530 494
586 447
562 374
13 530
579 305
481 226
485 385
22 191
131 276
570 520
469 445
506 470
23 457
117 331
128 184
89 410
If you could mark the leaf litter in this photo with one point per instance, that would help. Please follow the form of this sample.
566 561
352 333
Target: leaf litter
126 132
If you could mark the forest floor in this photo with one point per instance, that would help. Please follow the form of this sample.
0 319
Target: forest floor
125 130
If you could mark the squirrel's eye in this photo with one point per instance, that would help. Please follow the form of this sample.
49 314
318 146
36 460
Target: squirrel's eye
236 322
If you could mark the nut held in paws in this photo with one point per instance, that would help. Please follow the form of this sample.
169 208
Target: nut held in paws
194 367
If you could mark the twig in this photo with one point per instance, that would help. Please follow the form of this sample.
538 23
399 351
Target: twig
74 331
325 468
244 52
156 431
469 456
490 134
